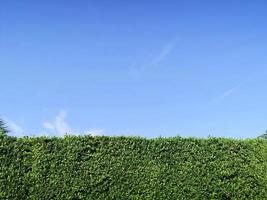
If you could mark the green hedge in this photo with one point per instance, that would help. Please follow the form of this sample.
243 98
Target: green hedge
88 167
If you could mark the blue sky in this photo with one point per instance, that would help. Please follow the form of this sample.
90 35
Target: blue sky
147 68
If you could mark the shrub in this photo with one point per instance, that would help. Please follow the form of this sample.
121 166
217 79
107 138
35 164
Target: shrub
85 167
3 128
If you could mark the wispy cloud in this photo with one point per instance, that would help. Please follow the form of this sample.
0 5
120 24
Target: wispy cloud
228 92
56 127
59 127
14 128
167 49
95 132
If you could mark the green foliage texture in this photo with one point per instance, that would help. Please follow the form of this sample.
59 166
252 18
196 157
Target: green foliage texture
86 167
3 128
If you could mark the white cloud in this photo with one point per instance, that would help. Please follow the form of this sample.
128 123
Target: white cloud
59 126
166 50
137 70
95 132
228 92
14 128
49 126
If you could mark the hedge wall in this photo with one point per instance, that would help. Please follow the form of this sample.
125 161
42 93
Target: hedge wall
88 167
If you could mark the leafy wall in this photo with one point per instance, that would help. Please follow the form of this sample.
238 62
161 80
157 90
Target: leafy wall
88 167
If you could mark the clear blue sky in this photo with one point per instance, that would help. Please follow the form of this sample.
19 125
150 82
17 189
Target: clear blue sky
149 68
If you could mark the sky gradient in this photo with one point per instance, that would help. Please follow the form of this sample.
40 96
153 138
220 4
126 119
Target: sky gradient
147 68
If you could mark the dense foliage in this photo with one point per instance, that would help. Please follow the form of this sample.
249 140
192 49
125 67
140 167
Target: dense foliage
3 128
132 168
